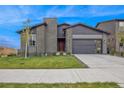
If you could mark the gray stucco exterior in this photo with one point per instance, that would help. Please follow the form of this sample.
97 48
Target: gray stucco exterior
46 39
68 41
40 40
38 49
51 36
32 50
113 28
61 32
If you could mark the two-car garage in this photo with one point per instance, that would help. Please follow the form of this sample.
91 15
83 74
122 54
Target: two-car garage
85 46
82 39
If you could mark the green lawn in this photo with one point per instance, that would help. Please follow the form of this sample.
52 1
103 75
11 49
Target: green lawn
61 85
44 62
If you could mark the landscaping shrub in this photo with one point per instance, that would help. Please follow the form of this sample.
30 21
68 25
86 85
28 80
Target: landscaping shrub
112 52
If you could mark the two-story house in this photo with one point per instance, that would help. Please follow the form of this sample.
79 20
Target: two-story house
113 27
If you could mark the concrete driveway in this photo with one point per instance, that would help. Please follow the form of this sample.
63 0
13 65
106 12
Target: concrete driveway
101 61
102 68
112 66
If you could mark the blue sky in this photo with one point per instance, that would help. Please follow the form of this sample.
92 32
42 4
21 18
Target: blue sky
12 18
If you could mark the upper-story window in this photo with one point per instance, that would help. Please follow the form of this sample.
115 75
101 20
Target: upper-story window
32 40
60 32
121 24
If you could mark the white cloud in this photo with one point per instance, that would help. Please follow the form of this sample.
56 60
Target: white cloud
93 11
53 12
96 11
10 15
7 41
25 10
15 14
18 14
84 11
65 11
69 11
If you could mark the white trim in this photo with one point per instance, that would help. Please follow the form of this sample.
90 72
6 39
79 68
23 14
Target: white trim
87 36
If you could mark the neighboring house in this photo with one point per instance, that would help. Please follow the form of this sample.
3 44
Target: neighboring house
49 37
113 27
4 51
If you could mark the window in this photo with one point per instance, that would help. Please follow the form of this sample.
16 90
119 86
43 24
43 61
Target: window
32 40
121 44
64 33
32 43
121 24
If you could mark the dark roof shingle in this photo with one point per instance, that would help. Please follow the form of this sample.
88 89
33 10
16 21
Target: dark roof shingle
87 27
109 21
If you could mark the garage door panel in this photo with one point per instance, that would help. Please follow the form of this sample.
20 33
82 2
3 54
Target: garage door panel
80 46
83 42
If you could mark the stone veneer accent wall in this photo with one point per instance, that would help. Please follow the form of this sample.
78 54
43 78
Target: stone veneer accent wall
104 44
68 41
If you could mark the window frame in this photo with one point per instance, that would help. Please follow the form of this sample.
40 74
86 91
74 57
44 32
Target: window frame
32 39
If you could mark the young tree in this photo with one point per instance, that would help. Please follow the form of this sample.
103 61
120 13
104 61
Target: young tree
26 36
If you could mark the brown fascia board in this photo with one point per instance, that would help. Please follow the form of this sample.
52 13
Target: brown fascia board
80 24
109 21
64 24
32 27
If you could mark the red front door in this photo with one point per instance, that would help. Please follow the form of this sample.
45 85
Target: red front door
61 45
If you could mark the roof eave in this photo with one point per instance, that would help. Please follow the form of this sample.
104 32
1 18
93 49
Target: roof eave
63 24
109 21
101 31
20 31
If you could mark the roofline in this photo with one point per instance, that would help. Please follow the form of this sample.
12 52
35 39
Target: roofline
109 21
43 24
32 27
64 24
38 24
49 18
99 30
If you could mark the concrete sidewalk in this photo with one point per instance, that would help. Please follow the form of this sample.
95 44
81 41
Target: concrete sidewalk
57 75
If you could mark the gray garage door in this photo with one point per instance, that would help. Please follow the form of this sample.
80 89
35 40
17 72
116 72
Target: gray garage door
80 46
